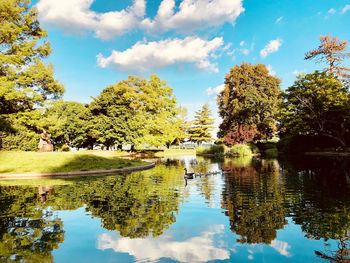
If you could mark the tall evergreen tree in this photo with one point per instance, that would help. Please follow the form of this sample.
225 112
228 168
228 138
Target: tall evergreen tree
201 127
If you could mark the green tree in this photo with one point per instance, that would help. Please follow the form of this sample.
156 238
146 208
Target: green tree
63 122
250 100
25 131
201 127
317 104
25 81
136 111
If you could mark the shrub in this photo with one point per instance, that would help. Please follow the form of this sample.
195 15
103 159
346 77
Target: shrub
20 141
268 148
241 135
273 152
64 148
219 142
305 143
214 149
265 145
244 149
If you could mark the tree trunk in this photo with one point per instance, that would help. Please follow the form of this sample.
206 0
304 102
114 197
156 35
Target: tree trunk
338 139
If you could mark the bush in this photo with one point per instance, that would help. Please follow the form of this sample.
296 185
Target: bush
273 152
241 135
219 142
268 148
305 143
265 145
214 149
24 140
244 149
64 148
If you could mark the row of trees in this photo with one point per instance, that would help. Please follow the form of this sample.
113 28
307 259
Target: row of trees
136 111
253 107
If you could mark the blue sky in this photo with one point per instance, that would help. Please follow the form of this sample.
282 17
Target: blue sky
191 44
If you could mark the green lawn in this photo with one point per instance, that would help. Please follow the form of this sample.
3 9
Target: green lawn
23 162
170 152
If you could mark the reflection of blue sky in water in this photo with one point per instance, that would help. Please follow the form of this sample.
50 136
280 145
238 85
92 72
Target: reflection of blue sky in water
200 248
195 249
202 231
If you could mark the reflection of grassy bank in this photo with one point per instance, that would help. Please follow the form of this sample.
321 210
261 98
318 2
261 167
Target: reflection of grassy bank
22 162
148 153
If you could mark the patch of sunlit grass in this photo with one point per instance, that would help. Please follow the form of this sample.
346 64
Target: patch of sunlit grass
24 162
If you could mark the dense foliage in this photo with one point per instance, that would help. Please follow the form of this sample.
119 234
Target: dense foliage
26 82
135 111
250 99
63 122
317 104
240 135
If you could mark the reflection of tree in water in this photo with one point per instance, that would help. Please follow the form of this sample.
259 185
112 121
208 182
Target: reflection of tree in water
320 202
253 198
341 255
27 233
206 183
136 204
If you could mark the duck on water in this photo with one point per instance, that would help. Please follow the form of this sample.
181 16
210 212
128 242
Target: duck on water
192 175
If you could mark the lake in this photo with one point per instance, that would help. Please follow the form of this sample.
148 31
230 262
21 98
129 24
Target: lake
258 210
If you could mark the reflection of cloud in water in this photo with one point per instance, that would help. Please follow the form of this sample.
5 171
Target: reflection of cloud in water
281 247
195 249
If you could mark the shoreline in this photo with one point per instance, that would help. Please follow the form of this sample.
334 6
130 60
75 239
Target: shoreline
9 176
330 154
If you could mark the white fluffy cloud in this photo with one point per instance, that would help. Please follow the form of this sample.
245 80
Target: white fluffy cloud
196 249
281 247
331 11
271 47
155 55
77 16
346 8
210 91
193 14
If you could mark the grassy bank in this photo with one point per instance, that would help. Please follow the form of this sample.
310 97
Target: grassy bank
246 149
23 162
216 150
174 152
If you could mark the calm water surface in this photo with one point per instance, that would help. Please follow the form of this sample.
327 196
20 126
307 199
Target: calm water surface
262 210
